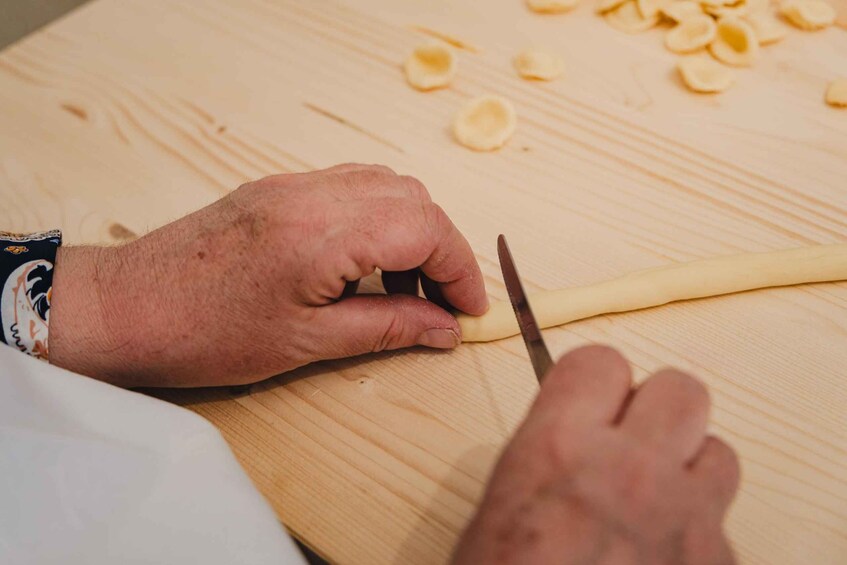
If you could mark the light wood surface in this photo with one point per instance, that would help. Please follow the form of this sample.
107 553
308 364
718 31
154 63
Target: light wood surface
128 114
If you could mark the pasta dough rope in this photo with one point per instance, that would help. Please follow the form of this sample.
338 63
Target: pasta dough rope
665 284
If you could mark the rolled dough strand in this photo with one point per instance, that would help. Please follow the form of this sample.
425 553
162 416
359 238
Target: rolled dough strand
661 285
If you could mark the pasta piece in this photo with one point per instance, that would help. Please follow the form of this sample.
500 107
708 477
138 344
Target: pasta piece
665 284
691 34
678 11
836 93
737 10
540 65
485 123
767 29
702 74
551 6
606 5
757 7
628 18
809 14
430 66
649 8
735 44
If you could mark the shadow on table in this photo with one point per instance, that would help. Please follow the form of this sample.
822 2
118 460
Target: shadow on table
188 397
444 518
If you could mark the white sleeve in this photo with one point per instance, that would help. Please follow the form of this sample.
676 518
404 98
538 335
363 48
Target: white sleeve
91 473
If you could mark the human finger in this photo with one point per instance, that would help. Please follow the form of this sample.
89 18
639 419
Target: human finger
586 387
399 234
717 471
360 182
669 412
369 323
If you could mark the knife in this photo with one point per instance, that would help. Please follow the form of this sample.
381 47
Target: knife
538 353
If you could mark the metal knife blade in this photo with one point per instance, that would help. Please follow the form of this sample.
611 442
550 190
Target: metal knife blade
538 353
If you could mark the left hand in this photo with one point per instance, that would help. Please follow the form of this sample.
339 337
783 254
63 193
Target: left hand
249 287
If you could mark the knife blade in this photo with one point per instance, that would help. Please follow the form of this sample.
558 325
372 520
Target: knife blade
538 353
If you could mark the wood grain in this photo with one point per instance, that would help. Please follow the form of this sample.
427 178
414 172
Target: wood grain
128 114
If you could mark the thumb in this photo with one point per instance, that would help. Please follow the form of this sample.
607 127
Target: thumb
368 323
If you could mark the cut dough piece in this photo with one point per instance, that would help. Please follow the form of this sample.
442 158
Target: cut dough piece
661 285
627 18
735 44
551 6
758 7
737 10
606 5
809 14
836 93
691 34
702 74
485 123
540 65
430 66
767 28
650 8
678 11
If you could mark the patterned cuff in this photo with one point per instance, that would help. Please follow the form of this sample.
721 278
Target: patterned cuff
26 285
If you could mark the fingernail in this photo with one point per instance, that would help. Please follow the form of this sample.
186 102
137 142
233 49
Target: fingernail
439 339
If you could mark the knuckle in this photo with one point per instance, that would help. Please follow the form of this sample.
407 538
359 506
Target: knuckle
600 361
256 188
596 351
272 184
366 179
270 180
687 389
419 220
697 393
726 462
362 182
381 169
392 335
435 218
438 236
347 165
554 439
415 187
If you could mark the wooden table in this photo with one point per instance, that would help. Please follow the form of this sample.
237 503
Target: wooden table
128 114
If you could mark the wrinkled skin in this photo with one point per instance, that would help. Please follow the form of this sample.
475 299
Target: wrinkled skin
258 283
248 287
600 473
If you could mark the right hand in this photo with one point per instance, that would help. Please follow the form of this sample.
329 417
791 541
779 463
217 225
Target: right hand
603 473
